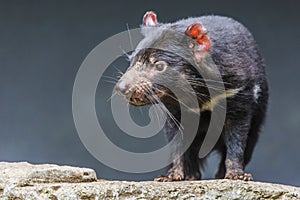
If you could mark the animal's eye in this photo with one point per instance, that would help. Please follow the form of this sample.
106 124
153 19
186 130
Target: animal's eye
160 66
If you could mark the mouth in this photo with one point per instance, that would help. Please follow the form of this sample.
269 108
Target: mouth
141 98
140 95
139 101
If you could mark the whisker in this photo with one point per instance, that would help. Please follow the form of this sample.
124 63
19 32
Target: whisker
155 110
110 81
208 80
109 77
200 84
118 70
141 111
176 122
178 100
222 107
109 98
163 108
157 102
129 35
125 53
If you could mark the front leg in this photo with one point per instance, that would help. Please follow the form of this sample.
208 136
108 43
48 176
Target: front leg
184 166
181 169
176 171
236 139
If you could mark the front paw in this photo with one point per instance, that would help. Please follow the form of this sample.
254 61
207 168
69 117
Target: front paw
238 175
171 177
163 179
194 176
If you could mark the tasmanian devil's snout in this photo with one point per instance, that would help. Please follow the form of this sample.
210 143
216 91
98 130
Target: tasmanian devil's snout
122 87
134 87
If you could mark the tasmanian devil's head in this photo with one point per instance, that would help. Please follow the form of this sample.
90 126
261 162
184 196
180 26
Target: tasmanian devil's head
162 58
151 69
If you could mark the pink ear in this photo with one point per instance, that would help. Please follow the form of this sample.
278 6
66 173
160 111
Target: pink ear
199 33
150 19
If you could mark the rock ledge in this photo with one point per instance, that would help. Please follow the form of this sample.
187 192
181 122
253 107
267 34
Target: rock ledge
26 181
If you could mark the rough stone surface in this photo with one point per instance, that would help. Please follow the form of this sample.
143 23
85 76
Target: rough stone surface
25 174
25 181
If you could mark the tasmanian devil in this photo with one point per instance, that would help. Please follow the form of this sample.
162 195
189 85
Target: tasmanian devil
191 47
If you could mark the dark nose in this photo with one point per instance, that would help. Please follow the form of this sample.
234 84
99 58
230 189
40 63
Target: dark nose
122 87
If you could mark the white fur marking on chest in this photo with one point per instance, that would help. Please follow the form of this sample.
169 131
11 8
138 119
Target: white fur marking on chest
210 104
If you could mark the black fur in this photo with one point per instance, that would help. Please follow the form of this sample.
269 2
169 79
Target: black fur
237 57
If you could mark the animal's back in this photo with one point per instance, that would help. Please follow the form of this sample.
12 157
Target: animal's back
233 47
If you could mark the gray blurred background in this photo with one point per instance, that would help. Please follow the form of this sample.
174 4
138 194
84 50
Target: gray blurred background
43 43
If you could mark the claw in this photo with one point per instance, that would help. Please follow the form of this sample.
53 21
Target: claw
243 176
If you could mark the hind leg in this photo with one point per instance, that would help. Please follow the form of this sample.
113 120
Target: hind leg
252 140
237 134
256 124
236 140
241 139
247 154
